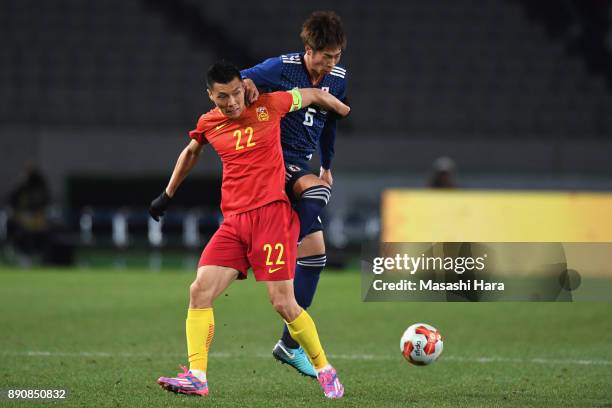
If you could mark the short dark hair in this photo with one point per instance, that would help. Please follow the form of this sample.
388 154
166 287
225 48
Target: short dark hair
221 72
323 29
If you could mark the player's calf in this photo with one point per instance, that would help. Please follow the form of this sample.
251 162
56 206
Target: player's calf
283 301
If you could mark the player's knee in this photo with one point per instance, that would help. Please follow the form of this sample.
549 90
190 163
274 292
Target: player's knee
279 304
200 293
325 185
312 244
320 194
194 289
308 183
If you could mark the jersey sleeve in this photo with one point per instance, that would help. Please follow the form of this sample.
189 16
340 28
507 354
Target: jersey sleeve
266 74
286 101
197 134
328 135
327 142
342 93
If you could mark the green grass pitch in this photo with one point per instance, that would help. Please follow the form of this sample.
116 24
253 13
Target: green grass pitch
107 335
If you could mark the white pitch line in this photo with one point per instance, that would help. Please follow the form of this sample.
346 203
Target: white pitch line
361 357
525 360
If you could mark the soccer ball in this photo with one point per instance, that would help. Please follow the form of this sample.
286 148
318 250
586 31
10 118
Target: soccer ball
421 344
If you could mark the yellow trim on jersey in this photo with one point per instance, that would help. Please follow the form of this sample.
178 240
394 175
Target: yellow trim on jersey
297 100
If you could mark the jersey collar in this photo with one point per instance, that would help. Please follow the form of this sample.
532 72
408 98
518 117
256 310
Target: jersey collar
308 73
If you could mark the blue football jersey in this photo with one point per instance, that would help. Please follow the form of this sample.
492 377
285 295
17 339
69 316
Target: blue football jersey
304 130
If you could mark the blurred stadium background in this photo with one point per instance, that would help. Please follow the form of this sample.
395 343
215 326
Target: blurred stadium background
97 97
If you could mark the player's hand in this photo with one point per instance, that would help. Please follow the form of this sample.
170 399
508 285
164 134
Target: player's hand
159 206
326 176
251 93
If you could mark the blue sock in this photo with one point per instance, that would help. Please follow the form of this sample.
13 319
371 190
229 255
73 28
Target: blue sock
310 205
307 272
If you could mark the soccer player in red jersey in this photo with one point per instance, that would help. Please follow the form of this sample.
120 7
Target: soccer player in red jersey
259 230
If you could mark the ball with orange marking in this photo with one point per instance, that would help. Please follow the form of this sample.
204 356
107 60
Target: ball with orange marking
421 344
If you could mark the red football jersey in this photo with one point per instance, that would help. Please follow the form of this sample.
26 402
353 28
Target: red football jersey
250 150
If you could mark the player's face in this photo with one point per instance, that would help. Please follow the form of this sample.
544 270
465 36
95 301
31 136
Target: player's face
323 61
229 98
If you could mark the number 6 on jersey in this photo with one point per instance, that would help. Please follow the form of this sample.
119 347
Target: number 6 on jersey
309 116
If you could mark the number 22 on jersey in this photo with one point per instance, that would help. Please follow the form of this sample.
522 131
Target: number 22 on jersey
239 142
278 248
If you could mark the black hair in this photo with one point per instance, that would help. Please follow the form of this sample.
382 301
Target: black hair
323 29
221 72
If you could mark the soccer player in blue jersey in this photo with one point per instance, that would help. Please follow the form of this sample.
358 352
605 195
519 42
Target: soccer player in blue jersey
302 133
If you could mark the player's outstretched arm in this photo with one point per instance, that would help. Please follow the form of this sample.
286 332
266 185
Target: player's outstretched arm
187 159
324 99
